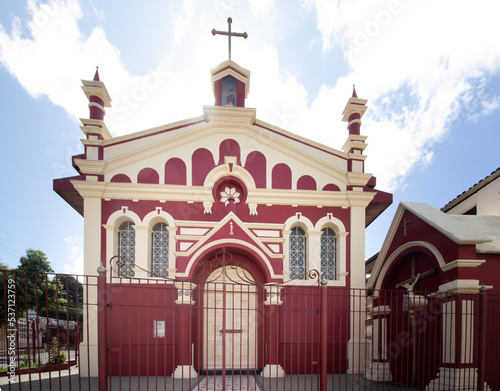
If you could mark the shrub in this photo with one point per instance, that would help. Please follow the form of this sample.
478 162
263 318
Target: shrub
57 355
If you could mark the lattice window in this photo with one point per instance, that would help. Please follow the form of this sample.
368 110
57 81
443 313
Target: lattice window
328 254
298 254
126 249
159 257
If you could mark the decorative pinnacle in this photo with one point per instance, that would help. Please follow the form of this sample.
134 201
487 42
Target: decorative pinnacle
96 76
101 270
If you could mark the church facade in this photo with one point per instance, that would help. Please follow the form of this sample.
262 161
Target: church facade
160 205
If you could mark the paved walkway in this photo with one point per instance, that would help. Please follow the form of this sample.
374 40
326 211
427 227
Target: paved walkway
70 381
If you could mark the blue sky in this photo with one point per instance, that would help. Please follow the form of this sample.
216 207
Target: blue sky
429 69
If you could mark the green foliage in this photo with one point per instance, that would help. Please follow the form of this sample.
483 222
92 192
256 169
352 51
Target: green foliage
37 288
35 261
4 266
57 355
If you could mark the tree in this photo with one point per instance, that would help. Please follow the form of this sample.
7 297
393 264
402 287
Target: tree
35 289
70 297
38 289
35 261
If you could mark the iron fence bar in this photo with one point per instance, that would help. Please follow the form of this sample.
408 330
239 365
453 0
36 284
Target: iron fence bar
483 307
101 319
77 329
324 336
87 329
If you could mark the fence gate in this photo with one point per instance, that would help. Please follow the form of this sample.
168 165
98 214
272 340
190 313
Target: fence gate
230 322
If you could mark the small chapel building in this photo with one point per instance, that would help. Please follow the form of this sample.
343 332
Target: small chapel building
161 204
437 264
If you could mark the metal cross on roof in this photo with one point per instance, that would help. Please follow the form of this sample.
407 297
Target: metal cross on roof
229 34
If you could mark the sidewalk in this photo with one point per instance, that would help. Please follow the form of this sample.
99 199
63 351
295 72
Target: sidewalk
68 380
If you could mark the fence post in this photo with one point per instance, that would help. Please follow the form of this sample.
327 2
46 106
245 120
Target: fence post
101 327
324 342
483 308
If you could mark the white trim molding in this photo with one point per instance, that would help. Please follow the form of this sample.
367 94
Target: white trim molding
462 263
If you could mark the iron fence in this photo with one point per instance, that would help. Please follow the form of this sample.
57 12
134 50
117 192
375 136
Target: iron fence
227 332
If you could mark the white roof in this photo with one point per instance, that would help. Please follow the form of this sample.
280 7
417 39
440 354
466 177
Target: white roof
484 231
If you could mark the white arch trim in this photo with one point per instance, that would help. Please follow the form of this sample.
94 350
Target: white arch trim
302 220
161 216
225 242
224 170
395 254
329 220
123 214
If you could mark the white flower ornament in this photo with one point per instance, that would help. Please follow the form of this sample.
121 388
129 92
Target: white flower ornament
229 194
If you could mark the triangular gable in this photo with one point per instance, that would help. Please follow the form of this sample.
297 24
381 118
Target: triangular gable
136 149
401 238
225 224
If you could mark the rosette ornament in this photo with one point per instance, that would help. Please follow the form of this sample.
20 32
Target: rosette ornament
229 194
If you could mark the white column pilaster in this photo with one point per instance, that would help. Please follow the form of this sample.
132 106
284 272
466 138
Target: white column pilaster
91 261
357 345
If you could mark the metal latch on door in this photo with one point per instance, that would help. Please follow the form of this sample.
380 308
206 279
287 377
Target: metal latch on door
234 331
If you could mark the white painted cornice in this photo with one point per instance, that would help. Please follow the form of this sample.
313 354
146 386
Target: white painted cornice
96 88
354 105
354 141
91 143
89 189
155 192
234 115
463 263
95 126
94 167
461 286
358 178
298 197
360 199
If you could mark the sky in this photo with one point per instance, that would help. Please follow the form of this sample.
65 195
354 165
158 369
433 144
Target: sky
430 71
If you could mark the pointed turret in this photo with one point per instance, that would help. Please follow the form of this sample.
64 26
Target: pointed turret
353 111
355 144
94 128
97 95
99 99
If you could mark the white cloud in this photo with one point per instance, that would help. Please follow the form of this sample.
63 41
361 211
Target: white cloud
260 8
421 64
183 21
74 251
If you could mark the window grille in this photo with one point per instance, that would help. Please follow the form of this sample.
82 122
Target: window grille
298 254
328 250
159 258
126 249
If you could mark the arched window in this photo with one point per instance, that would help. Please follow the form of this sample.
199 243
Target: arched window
328 259
298 254
126 248
159 250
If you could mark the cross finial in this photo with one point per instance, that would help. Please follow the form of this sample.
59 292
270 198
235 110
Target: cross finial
405 223
229 34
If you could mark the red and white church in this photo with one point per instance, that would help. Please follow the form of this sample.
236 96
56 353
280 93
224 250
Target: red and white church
168 199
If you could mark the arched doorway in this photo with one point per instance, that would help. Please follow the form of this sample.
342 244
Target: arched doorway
414 327
230 320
